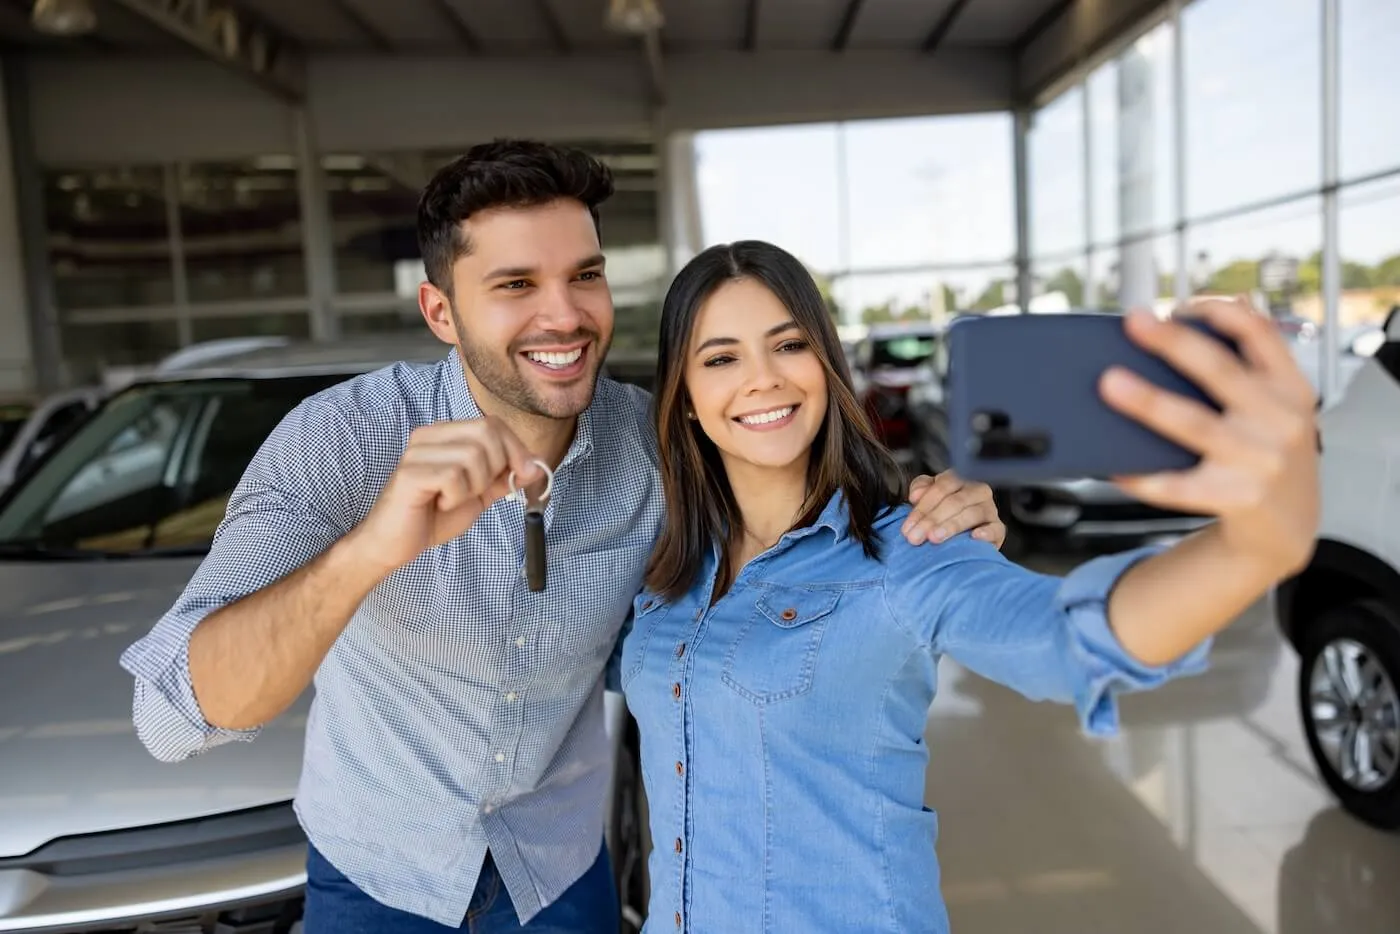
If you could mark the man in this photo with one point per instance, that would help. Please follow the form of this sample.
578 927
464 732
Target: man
456 760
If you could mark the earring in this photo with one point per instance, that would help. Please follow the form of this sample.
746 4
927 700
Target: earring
690 415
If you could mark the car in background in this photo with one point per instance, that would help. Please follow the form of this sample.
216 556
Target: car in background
97 541
46 425
888 361
1342 612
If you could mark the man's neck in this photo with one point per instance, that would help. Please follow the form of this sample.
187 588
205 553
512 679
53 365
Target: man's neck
546 438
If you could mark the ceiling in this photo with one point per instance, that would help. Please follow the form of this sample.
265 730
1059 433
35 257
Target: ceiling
564 27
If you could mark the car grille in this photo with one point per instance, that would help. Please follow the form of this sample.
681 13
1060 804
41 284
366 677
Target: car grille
281 917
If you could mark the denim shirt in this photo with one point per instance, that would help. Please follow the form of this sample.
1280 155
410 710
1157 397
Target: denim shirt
782 729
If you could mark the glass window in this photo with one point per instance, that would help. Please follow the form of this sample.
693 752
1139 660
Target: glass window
779 184
290 325
1253 84
1142 270
1370 134
930 190
12 419
240 225
1132 161
1057 284
878 298
92 348
1370 247
108 237
1056 157
153 469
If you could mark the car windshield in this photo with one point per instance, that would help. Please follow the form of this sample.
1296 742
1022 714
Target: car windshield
907 350
150 472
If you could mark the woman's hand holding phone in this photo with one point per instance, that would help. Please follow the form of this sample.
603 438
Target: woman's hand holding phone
1258 471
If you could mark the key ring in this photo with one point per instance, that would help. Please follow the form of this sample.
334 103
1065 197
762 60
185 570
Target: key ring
518 493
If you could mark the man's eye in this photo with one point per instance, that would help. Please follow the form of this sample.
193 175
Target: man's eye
590 276
516 285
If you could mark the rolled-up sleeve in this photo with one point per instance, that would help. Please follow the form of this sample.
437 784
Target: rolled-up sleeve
296 498
1046 637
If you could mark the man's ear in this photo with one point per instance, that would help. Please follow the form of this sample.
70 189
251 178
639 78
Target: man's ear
436 307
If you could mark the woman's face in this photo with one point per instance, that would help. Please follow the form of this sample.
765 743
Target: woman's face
755 385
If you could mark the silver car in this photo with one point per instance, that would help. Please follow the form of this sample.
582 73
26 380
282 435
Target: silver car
95 544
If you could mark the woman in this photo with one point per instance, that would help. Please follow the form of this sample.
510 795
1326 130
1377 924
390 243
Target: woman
783 655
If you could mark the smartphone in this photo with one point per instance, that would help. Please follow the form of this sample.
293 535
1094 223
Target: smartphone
1024 405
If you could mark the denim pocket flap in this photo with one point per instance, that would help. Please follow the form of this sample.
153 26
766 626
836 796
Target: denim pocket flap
790 607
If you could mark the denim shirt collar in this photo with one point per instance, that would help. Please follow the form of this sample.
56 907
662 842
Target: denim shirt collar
462 406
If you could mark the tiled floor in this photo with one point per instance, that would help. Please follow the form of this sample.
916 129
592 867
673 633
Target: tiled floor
1204 817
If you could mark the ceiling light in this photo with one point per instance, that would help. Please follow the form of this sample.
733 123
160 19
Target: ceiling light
64 17
637 17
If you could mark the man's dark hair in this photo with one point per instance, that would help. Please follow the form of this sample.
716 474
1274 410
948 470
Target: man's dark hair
503 173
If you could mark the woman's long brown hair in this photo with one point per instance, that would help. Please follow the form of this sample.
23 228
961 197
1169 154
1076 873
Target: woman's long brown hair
700 506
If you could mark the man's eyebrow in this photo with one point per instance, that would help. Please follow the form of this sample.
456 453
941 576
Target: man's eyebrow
771 332
525 272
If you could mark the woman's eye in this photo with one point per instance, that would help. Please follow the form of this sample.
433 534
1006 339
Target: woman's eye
717 361
793 346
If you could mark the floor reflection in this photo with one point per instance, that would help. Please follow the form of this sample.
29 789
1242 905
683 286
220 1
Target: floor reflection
1205 815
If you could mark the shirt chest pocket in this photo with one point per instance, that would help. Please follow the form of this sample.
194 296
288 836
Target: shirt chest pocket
774 655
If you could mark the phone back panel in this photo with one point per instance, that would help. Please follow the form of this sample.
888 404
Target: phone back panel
1040 374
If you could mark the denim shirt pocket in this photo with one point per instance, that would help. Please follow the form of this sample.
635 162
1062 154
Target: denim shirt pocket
647 613
774 655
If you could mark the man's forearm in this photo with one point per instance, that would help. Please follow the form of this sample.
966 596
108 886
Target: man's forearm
250 660
1169 603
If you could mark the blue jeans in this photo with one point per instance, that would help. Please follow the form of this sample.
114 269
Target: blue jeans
335 905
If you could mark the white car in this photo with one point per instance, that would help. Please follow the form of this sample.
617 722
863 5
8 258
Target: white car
1342 613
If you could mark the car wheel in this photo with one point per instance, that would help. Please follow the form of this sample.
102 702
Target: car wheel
1347 689
629 832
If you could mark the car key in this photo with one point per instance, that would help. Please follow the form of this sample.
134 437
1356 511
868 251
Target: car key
536 572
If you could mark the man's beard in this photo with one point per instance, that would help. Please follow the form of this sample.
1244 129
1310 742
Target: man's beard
503 378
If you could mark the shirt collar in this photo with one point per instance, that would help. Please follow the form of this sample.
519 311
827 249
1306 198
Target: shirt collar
461 406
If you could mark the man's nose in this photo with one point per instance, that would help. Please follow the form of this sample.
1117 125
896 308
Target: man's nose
557 310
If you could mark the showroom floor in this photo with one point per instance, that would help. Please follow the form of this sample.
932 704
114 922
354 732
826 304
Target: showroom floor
1205 816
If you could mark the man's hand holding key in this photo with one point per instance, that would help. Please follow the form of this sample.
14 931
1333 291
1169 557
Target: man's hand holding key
450 473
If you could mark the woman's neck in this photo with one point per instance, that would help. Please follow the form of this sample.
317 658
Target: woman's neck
769 500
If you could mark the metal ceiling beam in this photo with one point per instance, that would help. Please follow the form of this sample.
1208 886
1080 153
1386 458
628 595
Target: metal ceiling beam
557 35
751 26
228 36
368 29
848 25
465 34
943 26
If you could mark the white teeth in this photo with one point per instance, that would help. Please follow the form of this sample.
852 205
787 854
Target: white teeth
559 360
766 417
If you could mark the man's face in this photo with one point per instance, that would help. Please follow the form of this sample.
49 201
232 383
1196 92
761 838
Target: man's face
531 309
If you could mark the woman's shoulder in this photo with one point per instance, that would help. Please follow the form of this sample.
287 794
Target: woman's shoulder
898 551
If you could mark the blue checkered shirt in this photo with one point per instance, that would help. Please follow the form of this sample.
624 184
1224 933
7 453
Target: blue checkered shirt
458 711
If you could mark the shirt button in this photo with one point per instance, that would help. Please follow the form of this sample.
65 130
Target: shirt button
680 650
676 691
680 769
678 919
789 614
678 844
500 757
488 809
511 696
520 641
646 604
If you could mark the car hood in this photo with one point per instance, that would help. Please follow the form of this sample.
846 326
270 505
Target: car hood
70 762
